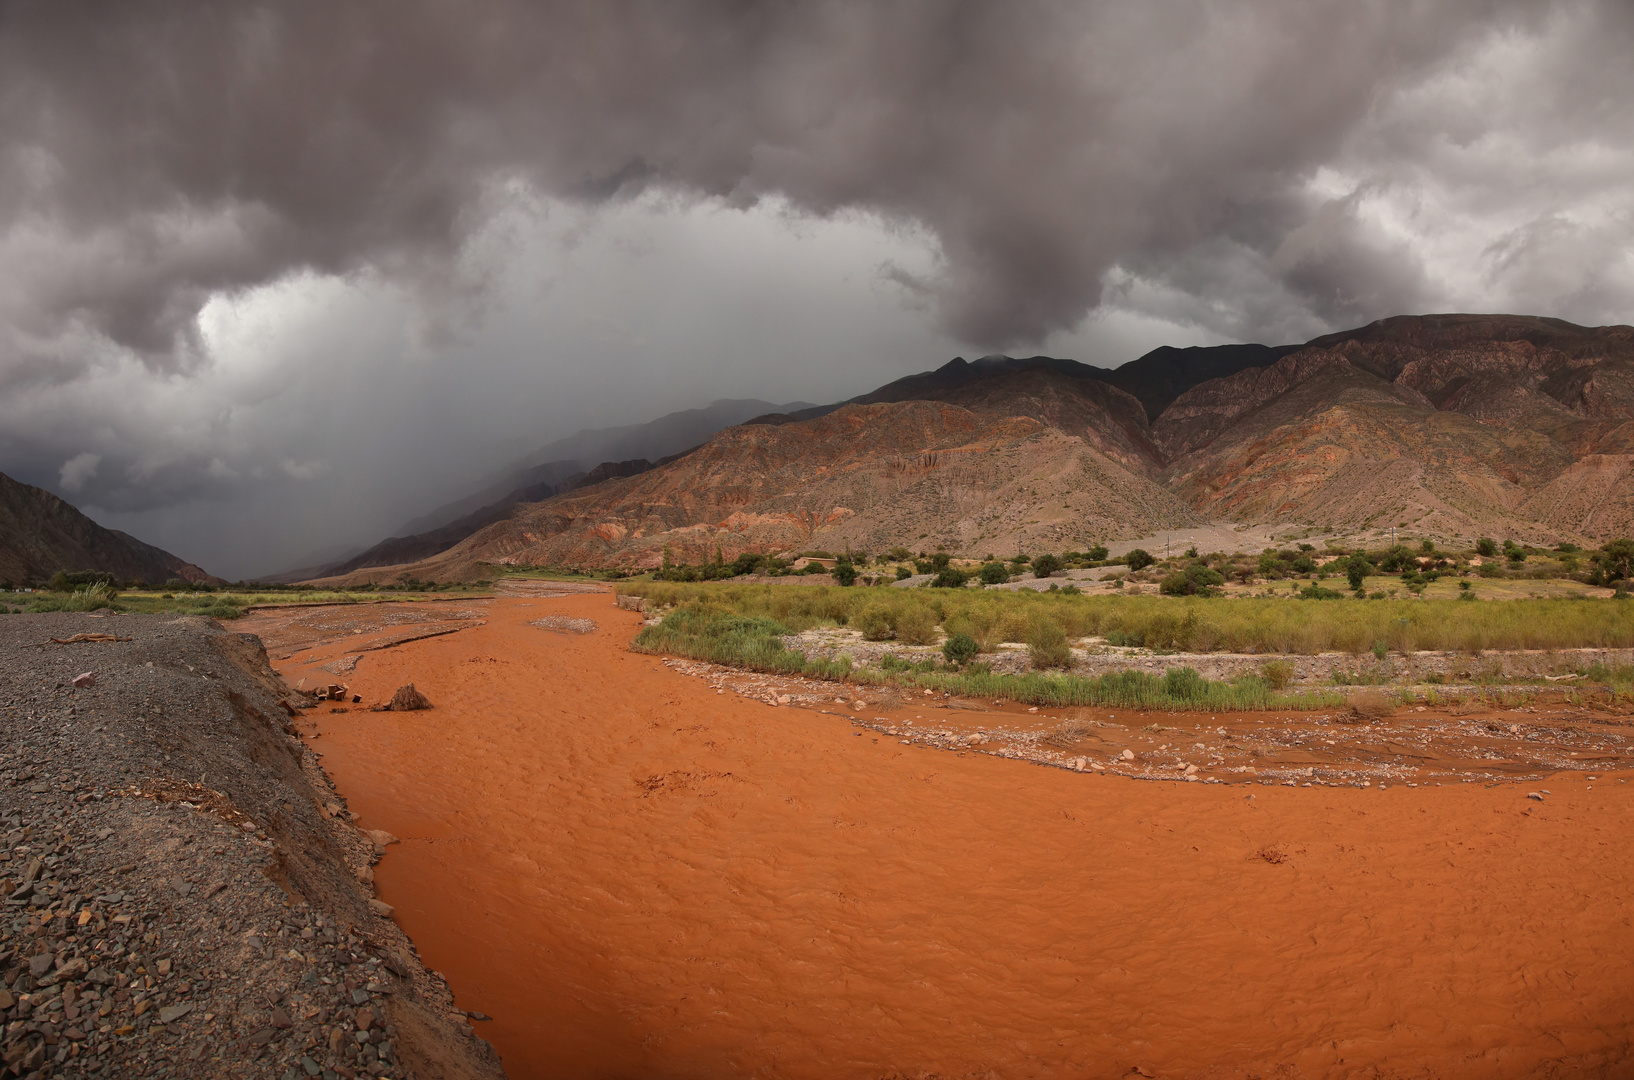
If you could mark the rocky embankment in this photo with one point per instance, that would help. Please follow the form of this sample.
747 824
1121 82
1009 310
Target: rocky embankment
185 895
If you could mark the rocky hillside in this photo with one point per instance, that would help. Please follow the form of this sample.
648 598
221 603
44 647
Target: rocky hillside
1449 426
40 534
916 472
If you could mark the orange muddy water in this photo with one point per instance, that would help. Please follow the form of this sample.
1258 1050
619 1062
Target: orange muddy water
638 876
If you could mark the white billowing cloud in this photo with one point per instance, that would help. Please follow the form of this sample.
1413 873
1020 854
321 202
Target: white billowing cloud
78 469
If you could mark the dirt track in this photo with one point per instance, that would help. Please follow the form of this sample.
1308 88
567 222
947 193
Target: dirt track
637 875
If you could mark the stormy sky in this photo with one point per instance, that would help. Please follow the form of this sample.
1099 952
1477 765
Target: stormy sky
278 277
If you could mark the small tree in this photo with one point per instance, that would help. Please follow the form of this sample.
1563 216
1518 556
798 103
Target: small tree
1486 547
845 572
1617 557
1356 570
960 649
1045 565
994 573
1138 559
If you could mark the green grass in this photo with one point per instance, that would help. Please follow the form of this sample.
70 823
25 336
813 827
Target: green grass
1227 624
702 630
215 605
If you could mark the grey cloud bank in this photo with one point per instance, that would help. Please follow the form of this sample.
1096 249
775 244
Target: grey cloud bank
274 275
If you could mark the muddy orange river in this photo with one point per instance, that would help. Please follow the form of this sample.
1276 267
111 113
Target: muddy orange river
639 875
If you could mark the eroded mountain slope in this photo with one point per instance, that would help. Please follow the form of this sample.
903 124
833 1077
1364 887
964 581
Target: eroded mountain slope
869 476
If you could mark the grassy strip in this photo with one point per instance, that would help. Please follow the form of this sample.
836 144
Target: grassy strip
215 605
1229 624
752 643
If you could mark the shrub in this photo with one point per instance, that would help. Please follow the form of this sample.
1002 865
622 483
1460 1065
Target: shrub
993 573
950 578
1380 649
1195 580
1278 673
1138 559
1045 565
1097 553
903 573
845 572
960 649
874 621
1184 684
1356 570
915 625
1317 592
1047 644
1485 547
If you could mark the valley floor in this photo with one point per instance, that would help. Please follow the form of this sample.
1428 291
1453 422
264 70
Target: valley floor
641 868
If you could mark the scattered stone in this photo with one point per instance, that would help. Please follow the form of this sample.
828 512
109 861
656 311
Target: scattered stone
381 908
1535 795
83 680
1127 755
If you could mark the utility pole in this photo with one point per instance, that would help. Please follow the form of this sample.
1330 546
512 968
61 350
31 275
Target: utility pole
1165 545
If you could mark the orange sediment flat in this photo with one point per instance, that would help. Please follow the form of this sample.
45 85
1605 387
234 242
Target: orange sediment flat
637 876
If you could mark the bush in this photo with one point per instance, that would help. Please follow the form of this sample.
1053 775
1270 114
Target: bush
1184 684
845 572
960 649
1485 547
1356 570
1317 592
1047 644
1045 565
1097 553
1278 673
1195 580
993 573
915 625
903 573
950 578
874 621
1138 559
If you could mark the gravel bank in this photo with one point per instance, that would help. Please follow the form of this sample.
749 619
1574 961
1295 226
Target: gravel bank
184 894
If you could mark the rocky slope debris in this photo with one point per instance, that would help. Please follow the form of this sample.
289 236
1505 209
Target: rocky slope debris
185 894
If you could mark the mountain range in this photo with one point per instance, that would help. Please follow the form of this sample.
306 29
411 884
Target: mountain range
1448 426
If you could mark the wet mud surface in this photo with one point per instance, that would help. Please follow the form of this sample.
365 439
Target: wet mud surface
650 868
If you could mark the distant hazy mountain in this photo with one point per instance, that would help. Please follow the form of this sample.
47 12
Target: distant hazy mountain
41 534
553 468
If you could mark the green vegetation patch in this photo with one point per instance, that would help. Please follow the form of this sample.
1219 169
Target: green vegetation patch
702 628
1190 624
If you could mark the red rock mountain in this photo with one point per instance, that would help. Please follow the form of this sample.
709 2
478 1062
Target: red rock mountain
1448 425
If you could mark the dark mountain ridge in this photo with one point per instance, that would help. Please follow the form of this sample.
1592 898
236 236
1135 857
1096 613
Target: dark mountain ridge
41 534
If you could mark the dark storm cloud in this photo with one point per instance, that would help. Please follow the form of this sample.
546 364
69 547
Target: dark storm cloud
157 152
